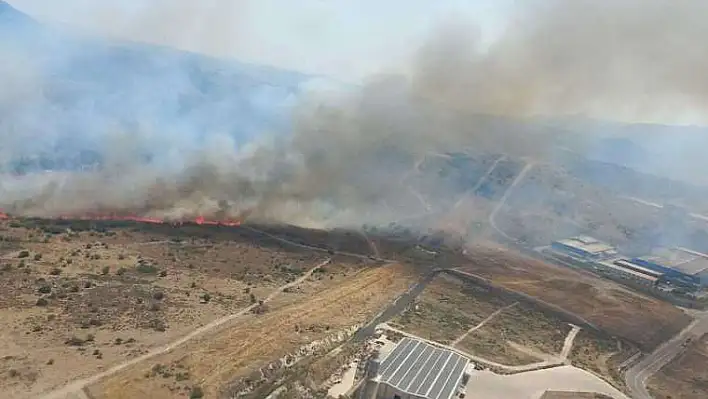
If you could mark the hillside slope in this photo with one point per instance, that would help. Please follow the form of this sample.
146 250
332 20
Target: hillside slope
64 92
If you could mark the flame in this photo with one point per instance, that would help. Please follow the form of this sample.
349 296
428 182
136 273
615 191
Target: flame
200 220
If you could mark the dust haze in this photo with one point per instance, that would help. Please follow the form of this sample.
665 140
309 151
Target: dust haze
343 159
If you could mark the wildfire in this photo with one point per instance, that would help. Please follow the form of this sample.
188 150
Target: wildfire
200 220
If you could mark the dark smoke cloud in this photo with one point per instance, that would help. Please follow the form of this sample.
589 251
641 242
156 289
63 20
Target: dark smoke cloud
344 157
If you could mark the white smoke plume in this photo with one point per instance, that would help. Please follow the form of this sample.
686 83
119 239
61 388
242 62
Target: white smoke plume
342 160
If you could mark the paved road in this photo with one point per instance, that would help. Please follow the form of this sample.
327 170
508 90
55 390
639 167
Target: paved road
637 376
74 390
394 308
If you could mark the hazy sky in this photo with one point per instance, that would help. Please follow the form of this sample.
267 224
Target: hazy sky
347 39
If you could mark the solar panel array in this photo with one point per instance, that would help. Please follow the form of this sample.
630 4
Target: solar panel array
421 369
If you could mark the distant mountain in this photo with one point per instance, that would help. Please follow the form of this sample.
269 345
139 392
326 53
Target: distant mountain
64 92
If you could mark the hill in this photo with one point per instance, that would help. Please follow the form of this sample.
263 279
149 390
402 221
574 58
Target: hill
64 92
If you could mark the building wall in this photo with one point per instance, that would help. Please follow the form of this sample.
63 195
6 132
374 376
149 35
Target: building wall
567 248
388 392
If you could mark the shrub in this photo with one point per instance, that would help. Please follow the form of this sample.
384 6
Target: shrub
146 269
121 271
158 295
42 302
55 272
75 341
37 256
45 289
23 254
196 393
105 270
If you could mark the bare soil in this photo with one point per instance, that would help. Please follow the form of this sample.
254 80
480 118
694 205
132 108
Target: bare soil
573 395
601 355
446 309
215 361
450 307
633 316
684 377
79 297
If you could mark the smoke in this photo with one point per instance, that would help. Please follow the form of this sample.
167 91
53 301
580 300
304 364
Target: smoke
343 158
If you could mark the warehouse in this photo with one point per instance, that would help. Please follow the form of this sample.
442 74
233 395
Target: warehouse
415 369
679 265
584 247
626 270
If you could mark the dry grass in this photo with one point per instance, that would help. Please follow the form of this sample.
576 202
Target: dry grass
601 356
130 288
636 317
450 307
489 344
447 308
214 361
573 395
531 328
684 377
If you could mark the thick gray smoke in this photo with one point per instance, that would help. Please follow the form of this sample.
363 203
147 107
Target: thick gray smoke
344 159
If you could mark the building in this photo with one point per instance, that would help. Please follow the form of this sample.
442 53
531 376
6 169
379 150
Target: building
584 247
626 270
680 266
416 370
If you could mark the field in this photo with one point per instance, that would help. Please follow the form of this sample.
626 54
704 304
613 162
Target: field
601 355
219 360
519 333
448 308
80 297
634 317
573 395
684 377
483 323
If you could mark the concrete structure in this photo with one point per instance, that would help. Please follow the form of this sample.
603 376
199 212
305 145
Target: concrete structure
625 269
416 370
584 247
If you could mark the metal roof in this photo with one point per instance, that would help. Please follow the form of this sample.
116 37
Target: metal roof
620 266
595 247
424 370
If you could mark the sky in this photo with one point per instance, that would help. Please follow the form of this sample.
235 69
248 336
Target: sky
343 39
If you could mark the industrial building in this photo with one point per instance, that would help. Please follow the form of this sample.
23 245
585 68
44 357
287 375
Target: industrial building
679 265
584 247
416 370
666 268
626 270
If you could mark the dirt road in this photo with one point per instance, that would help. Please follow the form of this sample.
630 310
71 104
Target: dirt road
74 389
492 217
471 192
